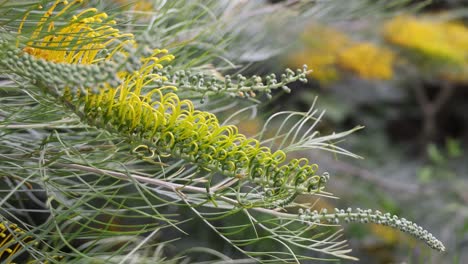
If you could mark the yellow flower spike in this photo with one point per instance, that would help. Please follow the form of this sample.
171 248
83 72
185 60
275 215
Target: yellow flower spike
79 32
158 117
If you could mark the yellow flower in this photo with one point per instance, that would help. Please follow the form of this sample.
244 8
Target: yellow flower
323 68
141 5
436 40
79 42
8 240
320 52
367 60
327 49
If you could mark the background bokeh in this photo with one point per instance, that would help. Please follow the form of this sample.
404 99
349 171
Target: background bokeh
405 78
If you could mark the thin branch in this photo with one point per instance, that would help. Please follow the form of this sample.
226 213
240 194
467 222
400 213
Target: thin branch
444 95
177 188
139 178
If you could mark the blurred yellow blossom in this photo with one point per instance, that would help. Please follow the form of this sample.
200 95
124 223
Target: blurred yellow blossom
391 236
140 5
328 49
434 39
320 52
367 60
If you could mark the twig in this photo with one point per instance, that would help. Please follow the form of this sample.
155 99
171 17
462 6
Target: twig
430 108
139 178
54 124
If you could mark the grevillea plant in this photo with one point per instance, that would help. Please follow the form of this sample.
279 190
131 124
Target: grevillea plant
157 120
103 203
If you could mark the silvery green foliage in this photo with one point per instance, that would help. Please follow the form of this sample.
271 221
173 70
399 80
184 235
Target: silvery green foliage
231 32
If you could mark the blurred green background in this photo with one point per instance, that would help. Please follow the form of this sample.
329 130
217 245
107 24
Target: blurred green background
405 78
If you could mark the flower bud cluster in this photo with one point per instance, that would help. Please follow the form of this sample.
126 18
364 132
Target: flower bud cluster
369 216
239 86
168 126
58 75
